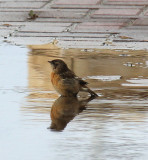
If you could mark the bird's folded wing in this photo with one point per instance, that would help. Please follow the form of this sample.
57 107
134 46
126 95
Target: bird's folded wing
67 74
82 82
70 75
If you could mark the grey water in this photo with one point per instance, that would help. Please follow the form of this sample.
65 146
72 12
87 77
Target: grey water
36 124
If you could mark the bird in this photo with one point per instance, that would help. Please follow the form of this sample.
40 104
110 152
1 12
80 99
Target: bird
65 82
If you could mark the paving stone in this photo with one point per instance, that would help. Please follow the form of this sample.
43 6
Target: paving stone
99 26
6 26
42 28
7 29
135 34
83 4
24 0
128 40
137 28
58 35
54 13
13 16
120 6
80 20
101 36
81 44
146 13
23 4
5 33
75 6
33 23
141 22
114 45
103 23
126 2
116 12
76 2
29 40
76 23
61 20
96 28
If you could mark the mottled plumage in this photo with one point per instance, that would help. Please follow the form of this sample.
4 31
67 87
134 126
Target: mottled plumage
65 81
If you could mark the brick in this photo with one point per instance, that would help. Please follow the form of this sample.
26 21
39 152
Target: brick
103 36
141 22
42 28
79 20
95 28
81 44
116 12
59 20
13 16
35 23
126 2
21 4
76 6
76 2
99 26
62 14
30 40
146 13
58 35
138 28
4 32
103 23
24 0
7 29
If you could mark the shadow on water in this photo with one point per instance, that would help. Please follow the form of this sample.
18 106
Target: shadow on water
64 109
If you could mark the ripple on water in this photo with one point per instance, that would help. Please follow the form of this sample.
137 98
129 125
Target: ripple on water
105 78
136 82
113 126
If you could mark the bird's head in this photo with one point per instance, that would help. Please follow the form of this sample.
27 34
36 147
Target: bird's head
58 65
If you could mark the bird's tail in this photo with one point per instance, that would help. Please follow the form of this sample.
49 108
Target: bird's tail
86 89
93 94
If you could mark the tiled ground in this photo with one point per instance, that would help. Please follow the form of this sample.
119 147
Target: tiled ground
86 23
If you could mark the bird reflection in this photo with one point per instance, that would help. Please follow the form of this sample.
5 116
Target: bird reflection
64 110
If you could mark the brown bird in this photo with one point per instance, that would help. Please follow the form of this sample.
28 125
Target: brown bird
65 81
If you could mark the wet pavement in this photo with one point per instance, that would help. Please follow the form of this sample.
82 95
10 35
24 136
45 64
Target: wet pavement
38 124
105 24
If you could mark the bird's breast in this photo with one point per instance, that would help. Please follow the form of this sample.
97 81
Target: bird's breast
55 78
66 86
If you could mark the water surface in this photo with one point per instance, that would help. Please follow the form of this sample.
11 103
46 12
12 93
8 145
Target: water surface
114 126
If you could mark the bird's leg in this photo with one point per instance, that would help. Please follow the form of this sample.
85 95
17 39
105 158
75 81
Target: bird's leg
86 89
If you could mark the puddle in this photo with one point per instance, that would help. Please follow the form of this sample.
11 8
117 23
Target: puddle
105 78
136 82
113 126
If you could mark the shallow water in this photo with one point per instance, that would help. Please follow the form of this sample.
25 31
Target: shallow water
114 126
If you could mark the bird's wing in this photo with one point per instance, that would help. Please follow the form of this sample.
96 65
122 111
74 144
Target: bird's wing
82 82
70 74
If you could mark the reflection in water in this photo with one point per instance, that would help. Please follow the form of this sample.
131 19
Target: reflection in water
113 127
116 121
100 70
64 109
